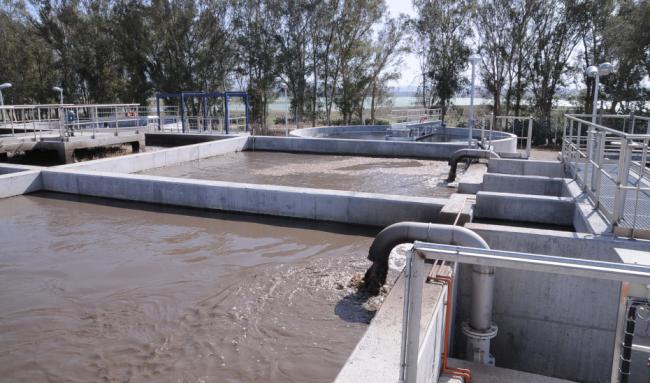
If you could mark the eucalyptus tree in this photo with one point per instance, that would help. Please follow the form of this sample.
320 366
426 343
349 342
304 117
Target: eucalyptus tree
388 48
27 62
494 39
555 34
257 26
443 25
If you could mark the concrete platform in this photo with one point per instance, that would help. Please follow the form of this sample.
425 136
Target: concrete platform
376 357
525 208
66 148
485 374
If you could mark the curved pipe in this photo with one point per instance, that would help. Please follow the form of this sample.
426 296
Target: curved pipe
458 155
407 232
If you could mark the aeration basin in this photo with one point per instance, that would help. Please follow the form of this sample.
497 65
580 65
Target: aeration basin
94 289
402 176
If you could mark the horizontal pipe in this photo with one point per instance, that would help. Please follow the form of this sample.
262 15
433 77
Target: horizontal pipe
408 232
536 262
458 155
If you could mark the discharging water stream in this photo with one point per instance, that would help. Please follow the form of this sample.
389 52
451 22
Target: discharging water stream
95 290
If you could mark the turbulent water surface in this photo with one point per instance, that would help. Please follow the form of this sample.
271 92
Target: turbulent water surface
95 290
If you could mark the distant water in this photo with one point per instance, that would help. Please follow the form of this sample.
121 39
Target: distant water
410 101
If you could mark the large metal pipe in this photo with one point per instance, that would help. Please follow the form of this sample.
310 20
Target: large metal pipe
480 327
461 154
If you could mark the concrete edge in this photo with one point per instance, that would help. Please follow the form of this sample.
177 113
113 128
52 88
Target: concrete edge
165 157
19 183
317 204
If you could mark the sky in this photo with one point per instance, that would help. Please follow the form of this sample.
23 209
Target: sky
409 69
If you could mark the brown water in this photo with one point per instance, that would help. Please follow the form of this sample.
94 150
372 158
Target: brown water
94 290
361 174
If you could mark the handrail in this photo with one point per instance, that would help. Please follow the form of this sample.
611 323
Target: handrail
424 251
591 150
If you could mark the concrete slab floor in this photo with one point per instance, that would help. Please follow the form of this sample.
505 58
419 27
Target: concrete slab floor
485 374
361 174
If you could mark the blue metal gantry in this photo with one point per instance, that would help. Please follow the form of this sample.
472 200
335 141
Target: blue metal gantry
204 96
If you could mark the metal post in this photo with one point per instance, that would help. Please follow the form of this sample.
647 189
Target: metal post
226 121
205 113
246 110
158 110
413 286
600 157
589 167
471 107
529 139
96 125
183 112
116 122
286 112
618 335
624 161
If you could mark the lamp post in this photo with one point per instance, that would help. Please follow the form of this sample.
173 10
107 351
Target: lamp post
4 86
596 72
603 69
473 59
60 90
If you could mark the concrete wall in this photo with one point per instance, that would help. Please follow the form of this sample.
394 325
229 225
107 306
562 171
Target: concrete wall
317 204
178 139
148 160
431 150
549 324
536 185
524 208
18 183
527 167
504 142
376 358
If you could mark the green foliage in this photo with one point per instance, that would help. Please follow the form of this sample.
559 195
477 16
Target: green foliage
444 30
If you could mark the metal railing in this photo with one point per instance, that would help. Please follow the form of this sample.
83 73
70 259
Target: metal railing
411 362
611 166
508 124
414 115
66 120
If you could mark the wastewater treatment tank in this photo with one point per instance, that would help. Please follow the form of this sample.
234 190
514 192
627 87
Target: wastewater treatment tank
401 176
94 289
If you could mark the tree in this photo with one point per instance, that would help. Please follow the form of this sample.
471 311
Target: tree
555 37
444 26
27 62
